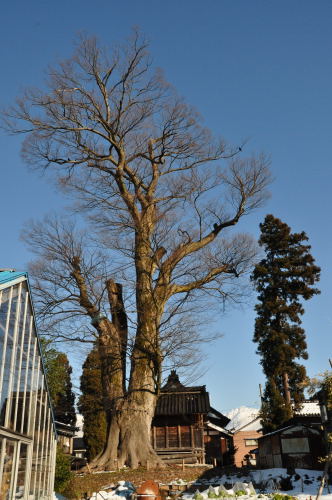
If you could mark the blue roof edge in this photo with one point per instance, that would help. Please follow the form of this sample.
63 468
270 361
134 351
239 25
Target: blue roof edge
7 276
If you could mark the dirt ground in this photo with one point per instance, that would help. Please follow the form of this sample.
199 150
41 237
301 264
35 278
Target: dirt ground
88 483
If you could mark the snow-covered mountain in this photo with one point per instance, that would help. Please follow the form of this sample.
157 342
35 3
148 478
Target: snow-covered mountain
241 416
79 424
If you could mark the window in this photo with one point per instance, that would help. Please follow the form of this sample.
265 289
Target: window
251 442
295 445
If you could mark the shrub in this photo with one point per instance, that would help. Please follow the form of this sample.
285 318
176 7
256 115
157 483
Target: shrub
286 483
63 473
280 496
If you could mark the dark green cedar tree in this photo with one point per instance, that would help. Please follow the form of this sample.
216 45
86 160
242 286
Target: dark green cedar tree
282 279
91 405
58 374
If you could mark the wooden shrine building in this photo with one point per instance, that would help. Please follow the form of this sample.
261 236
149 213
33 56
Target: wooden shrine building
180 421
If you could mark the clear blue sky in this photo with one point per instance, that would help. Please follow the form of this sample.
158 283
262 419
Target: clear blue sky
254 69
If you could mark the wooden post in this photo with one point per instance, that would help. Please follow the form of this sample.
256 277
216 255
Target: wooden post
154 438
325 476
183 464
167 446
193 444
214 462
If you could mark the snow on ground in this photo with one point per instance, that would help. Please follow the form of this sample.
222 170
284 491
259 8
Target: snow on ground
240 417
256 485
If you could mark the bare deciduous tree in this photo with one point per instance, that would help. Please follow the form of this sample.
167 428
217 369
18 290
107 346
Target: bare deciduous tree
147 175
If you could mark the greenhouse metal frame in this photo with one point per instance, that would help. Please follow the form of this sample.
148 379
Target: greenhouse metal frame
27 431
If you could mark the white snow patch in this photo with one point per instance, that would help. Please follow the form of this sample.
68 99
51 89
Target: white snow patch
79 424
309 408
269 478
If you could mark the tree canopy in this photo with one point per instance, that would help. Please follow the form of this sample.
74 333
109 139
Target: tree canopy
284 277
160 195
91 405
58 374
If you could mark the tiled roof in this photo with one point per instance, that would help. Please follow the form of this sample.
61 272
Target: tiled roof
309 408
176 399
184 403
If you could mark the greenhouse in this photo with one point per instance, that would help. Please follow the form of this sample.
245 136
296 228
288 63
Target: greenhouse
27 433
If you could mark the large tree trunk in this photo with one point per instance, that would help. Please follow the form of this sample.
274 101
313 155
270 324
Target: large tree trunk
129 441
131 410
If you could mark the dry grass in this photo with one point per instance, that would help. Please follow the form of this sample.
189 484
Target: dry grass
88 483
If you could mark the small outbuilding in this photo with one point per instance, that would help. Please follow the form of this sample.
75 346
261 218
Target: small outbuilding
185 427
298 446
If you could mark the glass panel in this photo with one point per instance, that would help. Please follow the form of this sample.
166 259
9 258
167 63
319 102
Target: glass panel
41 462
31 407
3 315
36 439
46 453
4 394
12 352
4 367
29 347
21 471
21 396
12 317
20 365
8 468
23 401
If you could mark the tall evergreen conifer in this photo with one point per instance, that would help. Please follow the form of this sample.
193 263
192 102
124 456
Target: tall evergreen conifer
91 405
58 374
286 275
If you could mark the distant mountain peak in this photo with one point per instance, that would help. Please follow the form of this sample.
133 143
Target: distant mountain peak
241 416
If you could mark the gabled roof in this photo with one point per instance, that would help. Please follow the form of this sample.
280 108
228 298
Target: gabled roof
182 404
255 424
244 418
65 429
8 275
218 418
308 409
176 399
173 384
288 427
220 429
